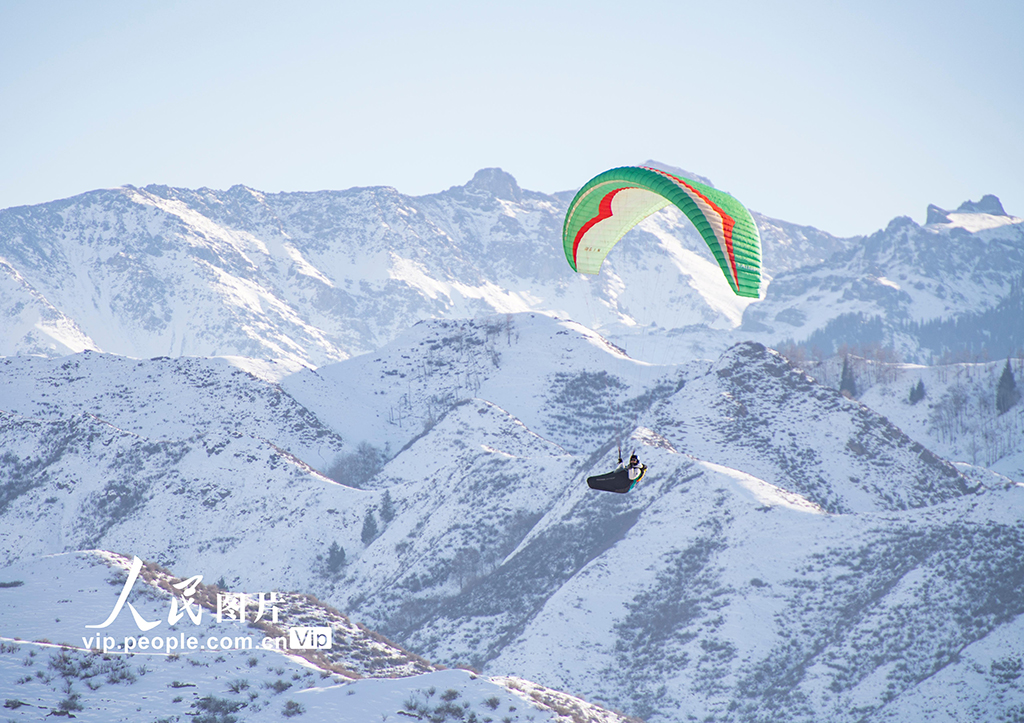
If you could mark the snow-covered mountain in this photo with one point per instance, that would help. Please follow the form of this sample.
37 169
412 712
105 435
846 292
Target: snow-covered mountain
393 403
316 277
919 290
792 554
311 278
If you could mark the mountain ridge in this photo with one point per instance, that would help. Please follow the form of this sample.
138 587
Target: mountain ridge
310 277
314 277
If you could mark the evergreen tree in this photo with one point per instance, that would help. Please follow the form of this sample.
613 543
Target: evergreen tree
1007 393
847 385
335 557
387 508
369 528
917 392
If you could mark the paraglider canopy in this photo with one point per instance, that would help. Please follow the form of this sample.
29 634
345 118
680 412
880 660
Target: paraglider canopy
615 201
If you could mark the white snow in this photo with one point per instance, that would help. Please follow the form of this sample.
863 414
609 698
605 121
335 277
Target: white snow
767 494
975 222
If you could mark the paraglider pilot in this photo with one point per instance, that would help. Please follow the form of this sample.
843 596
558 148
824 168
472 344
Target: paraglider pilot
634 470
622 479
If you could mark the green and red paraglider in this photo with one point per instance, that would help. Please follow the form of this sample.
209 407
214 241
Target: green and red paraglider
615 201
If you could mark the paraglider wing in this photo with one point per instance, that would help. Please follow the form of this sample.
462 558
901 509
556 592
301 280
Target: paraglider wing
615 201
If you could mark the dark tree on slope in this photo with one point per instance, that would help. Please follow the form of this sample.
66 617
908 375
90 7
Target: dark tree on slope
335 557
466 565
356 468
369 527
1007 393
847 385
917 392
387 508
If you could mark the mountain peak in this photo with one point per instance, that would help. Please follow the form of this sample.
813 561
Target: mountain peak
988 204
936 214
747 354
156 189
496 182
906 221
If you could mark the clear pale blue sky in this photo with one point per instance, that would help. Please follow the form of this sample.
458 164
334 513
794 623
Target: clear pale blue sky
840 115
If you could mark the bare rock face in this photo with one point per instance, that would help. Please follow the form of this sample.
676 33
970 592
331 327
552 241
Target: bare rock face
988 204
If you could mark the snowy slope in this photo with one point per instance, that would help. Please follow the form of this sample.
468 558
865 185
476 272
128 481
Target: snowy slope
709 591
51 664
53 599
775 512
168 398
240 506
755 412
780 528
957 418
529 363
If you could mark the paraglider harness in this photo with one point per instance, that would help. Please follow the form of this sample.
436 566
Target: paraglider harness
623 478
